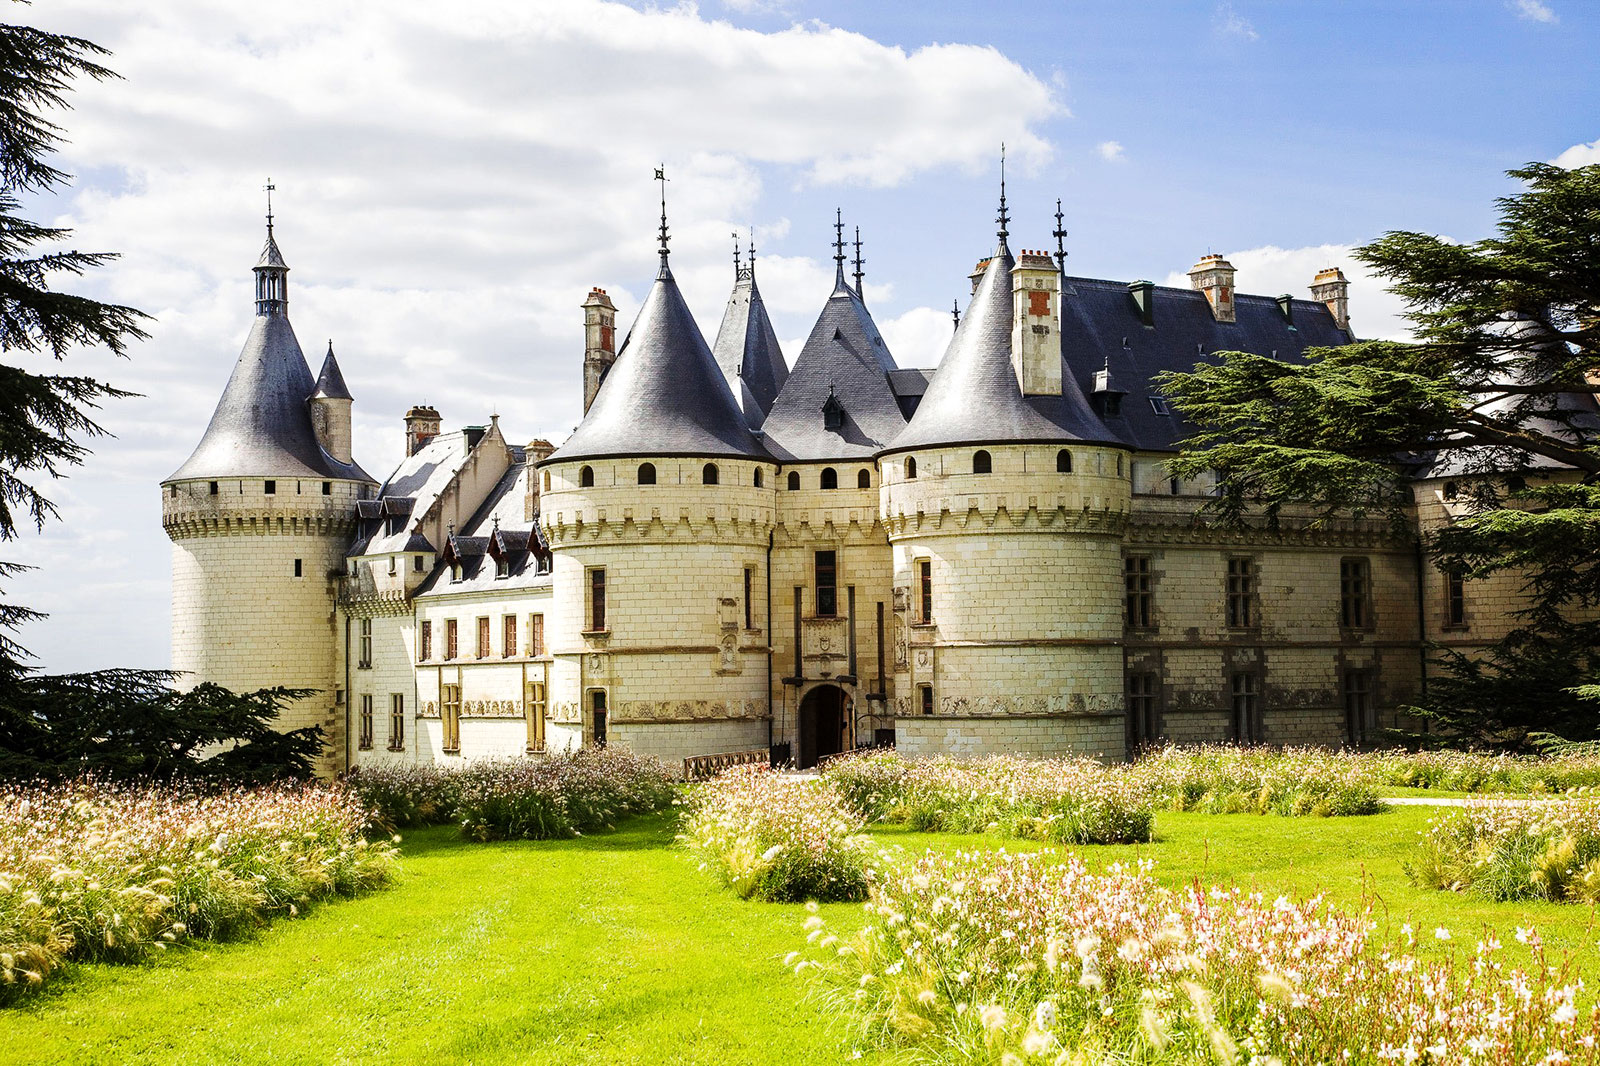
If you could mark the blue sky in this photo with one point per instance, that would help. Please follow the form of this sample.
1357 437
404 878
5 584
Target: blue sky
452 180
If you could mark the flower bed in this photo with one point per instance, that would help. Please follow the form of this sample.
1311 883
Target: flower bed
1465 771
94 871
992 957
1075 801
1221 779
777 839
1514 851
537 798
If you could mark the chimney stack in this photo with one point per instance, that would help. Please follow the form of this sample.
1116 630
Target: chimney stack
536 451
422 425
1036 324
1331 287
1213 275
599 343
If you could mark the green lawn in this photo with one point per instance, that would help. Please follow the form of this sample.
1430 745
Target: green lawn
616 949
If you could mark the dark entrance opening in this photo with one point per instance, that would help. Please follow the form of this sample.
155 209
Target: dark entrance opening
599 699
822 724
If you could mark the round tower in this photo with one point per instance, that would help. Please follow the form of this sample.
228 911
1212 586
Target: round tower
260 517
1005 501
659 510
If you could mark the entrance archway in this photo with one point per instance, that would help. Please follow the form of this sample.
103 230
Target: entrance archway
822 724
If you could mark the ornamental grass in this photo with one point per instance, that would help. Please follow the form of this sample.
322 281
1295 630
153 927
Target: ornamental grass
1224 779
537 798
989 957
778 839
94 871
1469 771
1069 801
1514 851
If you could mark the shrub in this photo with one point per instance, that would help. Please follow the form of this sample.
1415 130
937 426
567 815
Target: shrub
1514 851
90 870
538 798
778 839
1000 958
1223 779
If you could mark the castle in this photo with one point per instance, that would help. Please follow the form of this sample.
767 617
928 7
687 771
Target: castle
731 553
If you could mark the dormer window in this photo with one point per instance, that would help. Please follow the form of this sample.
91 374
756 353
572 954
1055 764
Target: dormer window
832 414
502 568
455 571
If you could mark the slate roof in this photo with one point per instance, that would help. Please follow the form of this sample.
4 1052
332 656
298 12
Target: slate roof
747 350
1101 328
496 531
387 520
844 356
664 395
974 396
330 383
262 424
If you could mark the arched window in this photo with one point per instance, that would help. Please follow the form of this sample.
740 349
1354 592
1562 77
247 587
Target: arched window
911 467
647 473
794 481
708 476
830 478
586 477
981 464
1063 462
864 479
547 481
756 478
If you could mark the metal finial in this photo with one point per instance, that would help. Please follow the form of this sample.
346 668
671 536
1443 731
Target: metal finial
1060 235
661 176
735 237
955 312
269 187
1004 219
859 261
752 231
838 248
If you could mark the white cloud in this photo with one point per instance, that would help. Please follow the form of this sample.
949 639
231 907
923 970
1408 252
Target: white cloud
1228 23
451 179
1579 155
1375 313
1111 151
918 337
1533 11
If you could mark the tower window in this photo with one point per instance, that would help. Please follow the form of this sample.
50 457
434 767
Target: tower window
547 481
827 565
586 477
794 481
925 591
1119 464
416 563
911 467
1063 462
981 463
270 488
647 473
755 477
327 488
708 476
299 568
864 479
597 600
749 607
925 696
213 488
1174 486
830 478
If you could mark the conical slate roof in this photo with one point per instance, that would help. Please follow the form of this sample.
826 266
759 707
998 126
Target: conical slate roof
270 256
747 350
845 357
665 394
330 383
975 398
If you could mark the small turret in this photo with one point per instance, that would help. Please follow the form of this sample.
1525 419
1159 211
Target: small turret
599 343
1331 287
422 425
330 409
1213 275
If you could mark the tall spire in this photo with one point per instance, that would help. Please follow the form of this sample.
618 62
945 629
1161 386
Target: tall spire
1004 219
838 248
661 176
272 273
752 232
738 271
859 261
1060 235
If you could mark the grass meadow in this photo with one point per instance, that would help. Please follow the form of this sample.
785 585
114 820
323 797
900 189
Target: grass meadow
617 948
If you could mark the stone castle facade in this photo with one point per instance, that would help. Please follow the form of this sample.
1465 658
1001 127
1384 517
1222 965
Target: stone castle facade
731 552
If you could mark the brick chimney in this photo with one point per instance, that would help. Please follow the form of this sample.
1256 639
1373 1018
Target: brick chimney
1213 275
1331 287
1036 324
536 451
599 342
422 425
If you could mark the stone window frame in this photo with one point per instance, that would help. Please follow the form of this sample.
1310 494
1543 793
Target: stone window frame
1144 719
364 723
925 702
535 634
485 634
1242 593
508 636
1355 591
597 599
425 641
922 615
1454 593
863 478
1356 684
533 711
749 599
1246 710
397 721
450 718
364 644
1139 604
452 639
817 585
828 480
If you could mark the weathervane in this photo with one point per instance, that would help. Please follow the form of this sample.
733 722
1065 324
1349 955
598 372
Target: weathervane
269 187
735 237
859 261
1004 218
661 176
1060 235
838 241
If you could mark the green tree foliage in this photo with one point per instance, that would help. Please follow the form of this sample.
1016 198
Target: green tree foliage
1497 390
43 417
123 724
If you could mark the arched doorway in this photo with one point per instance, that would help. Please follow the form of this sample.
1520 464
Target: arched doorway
822 724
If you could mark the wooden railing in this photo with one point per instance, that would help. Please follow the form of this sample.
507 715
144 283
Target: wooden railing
705 767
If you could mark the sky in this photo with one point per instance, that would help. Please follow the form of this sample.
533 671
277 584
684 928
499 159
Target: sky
451 179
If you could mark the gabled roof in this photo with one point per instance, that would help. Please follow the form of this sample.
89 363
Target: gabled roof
844 357
747 350
262 425
498 531
330 383
974 396
410 491
1101 329
664 395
